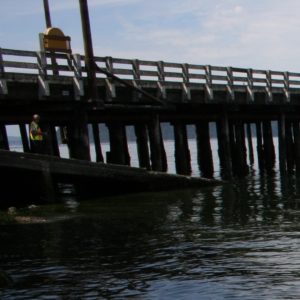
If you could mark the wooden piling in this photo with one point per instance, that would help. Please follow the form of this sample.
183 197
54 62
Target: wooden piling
50 140
233 147
244 149
290 157
269 149
96 135
250 144
4 144
54 141
241 150
182 152
119 153
156 145
163 152
296 131
282 144
24 138
142 146
205 158
259 147
224 147
78 137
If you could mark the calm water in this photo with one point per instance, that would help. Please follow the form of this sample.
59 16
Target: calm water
236 241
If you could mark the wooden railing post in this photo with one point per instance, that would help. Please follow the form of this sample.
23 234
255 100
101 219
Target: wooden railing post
77 79
186 91
44 89
250 94
269 86
136 79
161 80
208 84
110 86
286 88
230 91
3 85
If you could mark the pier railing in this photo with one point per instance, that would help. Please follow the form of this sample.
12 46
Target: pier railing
18 65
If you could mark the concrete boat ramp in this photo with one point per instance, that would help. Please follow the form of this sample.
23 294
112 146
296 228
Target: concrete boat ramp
32 178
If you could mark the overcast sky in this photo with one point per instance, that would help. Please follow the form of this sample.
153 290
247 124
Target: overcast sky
262 34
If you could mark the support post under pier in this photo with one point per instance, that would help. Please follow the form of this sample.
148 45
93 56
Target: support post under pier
142 146
205 159
24 138
119 153
259 148
98 150
158 155
296 131
269 149
182 152
78 137
3 138
224 147
282 144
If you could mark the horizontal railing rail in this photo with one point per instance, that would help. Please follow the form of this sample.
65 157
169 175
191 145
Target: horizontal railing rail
31 63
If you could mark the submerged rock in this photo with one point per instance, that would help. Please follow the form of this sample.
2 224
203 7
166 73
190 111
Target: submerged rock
12 210
32 207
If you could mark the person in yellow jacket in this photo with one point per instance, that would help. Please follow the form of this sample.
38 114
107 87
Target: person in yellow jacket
36 135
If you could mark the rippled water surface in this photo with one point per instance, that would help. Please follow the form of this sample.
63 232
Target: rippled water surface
235 241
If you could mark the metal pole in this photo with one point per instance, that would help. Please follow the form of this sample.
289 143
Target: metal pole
88 49
48 25
47 14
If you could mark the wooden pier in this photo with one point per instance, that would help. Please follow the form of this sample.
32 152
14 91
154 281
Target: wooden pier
235 100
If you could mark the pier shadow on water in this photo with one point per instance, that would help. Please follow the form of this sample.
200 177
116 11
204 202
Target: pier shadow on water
236 241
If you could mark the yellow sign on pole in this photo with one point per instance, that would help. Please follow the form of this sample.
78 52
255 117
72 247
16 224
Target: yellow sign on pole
53 39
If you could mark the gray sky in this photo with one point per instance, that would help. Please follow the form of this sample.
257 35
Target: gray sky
262 34
258 34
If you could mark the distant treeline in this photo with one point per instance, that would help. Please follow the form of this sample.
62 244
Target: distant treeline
167 131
